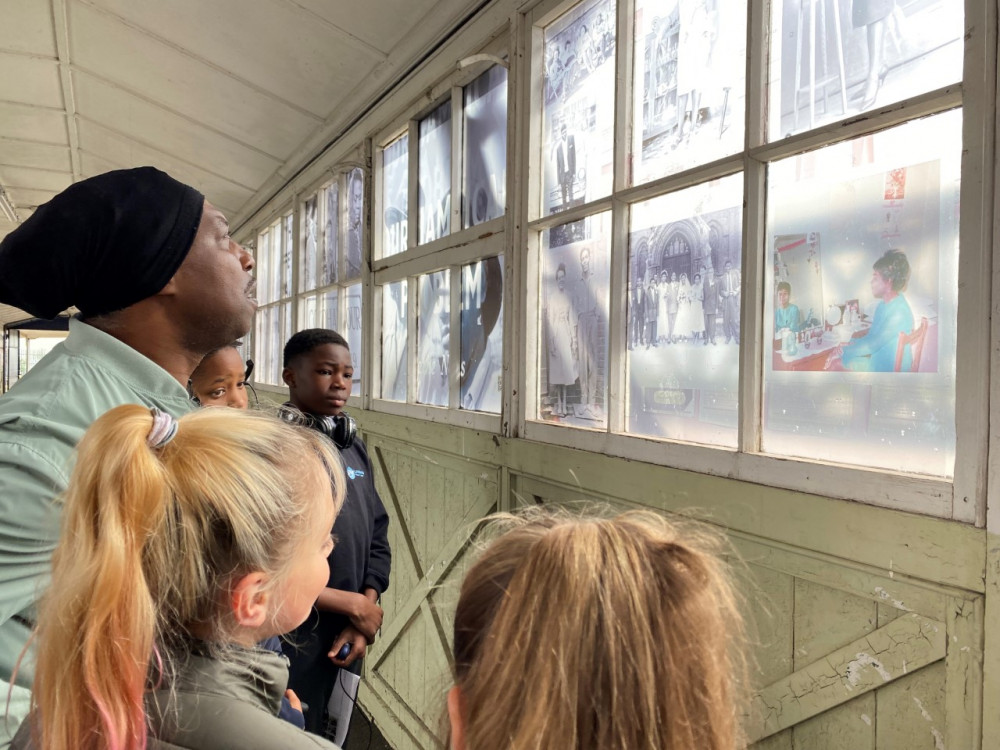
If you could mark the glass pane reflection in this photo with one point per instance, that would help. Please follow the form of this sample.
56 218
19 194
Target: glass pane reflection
482 335
432 345
862 291
684 314
485 164
394 341
578 109
573 361
690 68
435 174
837 58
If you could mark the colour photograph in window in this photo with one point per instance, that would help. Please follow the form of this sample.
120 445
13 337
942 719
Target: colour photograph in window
862 286
578 123
394 196
394 341
434 325
435 174
842 57
482 335
690 69
485 164
684 292
574 316
331 236
355 224
353 333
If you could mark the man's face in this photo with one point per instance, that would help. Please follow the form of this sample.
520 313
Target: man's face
585 261
319 381
561 280
213 294
783 297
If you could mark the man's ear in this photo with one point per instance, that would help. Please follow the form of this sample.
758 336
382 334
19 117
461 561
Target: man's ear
250 600
288 375
456 710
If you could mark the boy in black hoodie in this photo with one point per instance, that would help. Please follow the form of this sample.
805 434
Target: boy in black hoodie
318 373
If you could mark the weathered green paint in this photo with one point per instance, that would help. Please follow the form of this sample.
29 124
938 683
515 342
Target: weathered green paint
905 644
823 580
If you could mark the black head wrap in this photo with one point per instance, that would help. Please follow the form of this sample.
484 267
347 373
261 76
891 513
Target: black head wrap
102 244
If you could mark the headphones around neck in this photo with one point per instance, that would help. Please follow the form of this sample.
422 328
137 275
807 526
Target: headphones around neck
341 429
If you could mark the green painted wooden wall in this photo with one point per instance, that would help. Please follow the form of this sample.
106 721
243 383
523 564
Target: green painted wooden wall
869 623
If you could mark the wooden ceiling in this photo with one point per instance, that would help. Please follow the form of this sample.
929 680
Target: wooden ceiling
230 96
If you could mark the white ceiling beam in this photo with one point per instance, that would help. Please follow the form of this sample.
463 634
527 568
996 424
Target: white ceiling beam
61 26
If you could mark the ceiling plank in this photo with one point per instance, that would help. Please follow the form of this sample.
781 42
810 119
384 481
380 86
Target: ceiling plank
30 80
18 153
27 27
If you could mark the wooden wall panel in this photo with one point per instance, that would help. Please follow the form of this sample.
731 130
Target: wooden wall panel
848 654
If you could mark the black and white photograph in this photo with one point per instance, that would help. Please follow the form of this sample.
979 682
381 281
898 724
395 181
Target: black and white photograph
578 121
574 315
310 244
485 164
435 174
433 326
690 68
353 333
683 321
355 224
861 298
330 309
394 341
394 196
331 236
287 247
482 335
852 56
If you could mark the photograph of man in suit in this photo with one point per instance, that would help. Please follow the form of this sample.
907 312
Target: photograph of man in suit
565 156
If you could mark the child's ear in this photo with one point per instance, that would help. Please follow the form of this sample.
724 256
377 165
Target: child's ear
456 711
250 600
288 375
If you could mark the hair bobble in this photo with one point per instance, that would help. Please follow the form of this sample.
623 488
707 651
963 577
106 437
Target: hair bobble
163 430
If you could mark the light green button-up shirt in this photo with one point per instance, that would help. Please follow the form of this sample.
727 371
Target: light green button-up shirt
41 420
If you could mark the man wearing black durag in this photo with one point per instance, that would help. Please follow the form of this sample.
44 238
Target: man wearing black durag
159 283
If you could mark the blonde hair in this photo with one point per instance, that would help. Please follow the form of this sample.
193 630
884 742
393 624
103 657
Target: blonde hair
590 632
152 541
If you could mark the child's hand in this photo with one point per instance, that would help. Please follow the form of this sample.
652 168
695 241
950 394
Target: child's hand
293 700
367 617
357 641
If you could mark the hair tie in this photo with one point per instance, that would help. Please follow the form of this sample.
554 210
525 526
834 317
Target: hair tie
163 430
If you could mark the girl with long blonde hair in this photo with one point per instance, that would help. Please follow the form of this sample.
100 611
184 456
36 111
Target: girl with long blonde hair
184 544
597 634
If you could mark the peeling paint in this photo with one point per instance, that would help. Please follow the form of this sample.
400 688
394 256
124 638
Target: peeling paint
938 739
885 596
866 719
861 661
923 711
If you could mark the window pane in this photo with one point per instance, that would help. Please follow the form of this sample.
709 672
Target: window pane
863 281
309 313
432 346
310 230
482 335
394 197
331 237
274 262
286 257
330 313
262 260
690 69
353 294
684 314
485 166
578 110
355 225
574 292
836 59
394 341
435 174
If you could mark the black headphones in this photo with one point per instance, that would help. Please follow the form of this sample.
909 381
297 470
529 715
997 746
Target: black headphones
341 429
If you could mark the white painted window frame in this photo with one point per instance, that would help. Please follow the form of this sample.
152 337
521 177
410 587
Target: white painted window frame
961 498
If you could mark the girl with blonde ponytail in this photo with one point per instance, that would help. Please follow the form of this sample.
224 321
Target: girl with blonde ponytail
184 543
597 634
